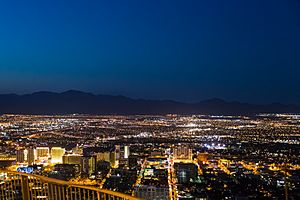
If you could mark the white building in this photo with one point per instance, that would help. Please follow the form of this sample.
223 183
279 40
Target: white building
126 152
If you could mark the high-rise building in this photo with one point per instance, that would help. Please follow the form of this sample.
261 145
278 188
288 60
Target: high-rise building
117 150
113 160
103 156
185 172
88 165
182 153
26 155
133 161
20 156
42 153
126 152
31 156
122 152
72 159
107 156
57 154
123 158
65 171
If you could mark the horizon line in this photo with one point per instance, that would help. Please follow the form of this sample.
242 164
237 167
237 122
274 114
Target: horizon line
146 99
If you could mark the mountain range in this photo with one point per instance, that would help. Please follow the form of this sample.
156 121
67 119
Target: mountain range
71 102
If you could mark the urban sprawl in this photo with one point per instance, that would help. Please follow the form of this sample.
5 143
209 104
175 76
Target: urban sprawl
160 157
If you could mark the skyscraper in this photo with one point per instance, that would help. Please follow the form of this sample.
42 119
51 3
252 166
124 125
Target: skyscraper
31 156
42 153
126 152
72 159
103 156
20 156
185 172
133 161
57 154
117 149
107 156
88 165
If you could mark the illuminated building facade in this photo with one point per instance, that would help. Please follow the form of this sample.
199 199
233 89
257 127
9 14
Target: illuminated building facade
182 153
42 153
185 172
72 159
117 150
88 165
57 154
107 156
20 155
126 152
31 156
202 157
104 156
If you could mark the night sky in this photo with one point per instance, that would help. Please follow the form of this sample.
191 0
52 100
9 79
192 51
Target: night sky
182 50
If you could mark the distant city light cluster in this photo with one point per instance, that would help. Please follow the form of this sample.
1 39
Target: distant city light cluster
160 157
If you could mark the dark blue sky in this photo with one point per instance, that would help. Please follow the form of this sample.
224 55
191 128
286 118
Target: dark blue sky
183 50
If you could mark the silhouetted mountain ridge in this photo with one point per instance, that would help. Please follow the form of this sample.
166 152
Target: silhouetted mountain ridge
72 101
